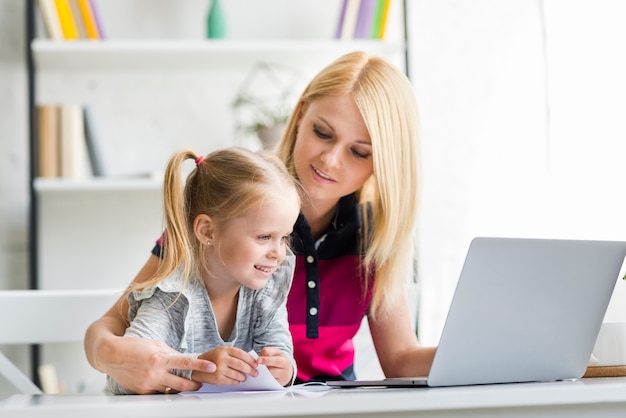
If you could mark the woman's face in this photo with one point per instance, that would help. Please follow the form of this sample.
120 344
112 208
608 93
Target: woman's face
333 151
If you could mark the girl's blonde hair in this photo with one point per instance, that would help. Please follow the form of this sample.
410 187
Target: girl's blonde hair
224 185
386 101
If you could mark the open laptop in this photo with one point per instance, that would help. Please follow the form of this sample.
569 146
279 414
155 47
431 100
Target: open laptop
523 310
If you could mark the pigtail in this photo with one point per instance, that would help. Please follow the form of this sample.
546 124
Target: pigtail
178 248
175 208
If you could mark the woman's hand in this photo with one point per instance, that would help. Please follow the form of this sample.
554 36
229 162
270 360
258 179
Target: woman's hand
278 364
143 366
233 364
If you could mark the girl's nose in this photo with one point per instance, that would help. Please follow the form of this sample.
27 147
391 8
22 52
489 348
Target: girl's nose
276 250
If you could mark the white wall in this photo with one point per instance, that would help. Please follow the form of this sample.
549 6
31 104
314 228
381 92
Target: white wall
516 142
13 153
13 147
513 144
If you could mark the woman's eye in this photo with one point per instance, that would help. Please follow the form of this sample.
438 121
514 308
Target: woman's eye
321 134
361 154
264 237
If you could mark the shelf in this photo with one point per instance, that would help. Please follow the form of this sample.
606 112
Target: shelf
98 184
194 54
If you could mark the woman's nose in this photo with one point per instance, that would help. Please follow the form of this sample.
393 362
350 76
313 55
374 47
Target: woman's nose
331 157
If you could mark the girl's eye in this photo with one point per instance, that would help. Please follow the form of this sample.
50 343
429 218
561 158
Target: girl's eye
285 238
265 237
320 134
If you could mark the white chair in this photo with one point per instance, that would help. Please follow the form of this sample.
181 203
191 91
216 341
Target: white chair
47 316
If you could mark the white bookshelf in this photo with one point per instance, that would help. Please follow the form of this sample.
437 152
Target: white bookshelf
48 186
173 54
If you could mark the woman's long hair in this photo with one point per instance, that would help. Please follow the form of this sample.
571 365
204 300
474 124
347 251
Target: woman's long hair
386 100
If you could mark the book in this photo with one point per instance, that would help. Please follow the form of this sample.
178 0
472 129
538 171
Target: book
72 148
48 140
363 28
78 20
92 143
350 16
66 17
50 18
96 16
342 15
377 19
383 19
90 19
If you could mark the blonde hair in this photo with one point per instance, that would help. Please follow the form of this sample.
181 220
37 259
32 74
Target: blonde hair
224 185
386 101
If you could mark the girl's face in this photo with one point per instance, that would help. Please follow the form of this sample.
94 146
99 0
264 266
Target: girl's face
333 151
247 250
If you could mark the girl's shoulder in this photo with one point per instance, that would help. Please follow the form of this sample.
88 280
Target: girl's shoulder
173 284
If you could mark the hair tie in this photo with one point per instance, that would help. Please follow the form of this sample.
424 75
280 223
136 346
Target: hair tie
199 160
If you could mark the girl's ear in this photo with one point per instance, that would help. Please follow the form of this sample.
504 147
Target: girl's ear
203 229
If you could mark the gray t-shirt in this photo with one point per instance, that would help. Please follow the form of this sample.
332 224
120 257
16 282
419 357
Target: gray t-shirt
186 321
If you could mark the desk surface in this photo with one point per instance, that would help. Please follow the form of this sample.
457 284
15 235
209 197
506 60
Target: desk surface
597 397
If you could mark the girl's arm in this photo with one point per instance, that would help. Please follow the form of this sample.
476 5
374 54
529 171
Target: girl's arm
141 365
273 340
276 349
398 350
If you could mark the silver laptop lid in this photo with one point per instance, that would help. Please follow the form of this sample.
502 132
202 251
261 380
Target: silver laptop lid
526 310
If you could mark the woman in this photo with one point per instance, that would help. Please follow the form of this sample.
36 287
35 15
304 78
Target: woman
352 143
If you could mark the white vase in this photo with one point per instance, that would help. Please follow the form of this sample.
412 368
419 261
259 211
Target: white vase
270 136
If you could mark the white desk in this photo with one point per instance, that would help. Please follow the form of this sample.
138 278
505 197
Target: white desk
600 397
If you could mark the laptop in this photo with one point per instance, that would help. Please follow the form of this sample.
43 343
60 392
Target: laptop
523 310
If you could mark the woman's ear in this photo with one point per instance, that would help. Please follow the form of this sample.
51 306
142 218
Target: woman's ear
203 229
302 106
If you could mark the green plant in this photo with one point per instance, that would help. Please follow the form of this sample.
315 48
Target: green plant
260 112
266 97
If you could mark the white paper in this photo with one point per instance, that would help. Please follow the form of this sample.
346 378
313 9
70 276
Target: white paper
264 381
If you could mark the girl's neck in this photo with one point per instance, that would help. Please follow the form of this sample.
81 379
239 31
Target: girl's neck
224 299
217 288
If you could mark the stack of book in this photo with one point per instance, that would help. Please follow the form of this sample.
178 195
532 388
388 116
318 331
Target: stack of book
363 19
70 19
67 145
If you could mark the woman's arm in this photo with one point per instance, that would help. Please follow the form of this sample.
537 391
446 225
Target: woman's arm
399 352
141 365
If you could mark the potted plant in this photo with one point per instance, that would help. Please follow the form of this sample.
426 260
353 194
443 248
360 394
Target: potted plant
263 118
265 101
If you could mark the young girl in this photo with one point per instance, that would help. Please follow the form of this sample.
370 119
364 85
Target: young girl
352 142
221 287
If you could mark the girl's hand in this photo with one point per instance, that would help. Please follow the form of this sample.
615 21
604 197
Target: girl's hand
233 364
278 364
